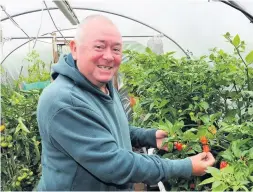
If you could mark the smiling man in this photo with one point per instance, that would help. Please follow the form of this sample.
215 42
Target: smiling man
102 47
86 139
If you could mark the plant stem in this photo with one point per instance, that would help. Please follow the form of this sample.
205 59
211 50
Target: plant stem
237 101
217 145
191 125
165 85
225 100
246 67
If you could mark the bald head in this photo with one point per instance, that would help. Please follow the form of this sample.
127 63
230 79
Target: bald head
91 23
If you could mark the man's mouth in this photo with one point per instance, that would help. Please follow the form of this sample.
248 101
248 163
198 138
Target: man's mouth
104 67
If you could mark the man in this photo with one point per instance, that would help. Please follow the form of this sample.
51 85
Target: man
86 139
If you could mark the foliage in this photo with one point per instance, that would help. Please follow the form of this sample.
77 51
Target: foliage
37 71
204 104
20 141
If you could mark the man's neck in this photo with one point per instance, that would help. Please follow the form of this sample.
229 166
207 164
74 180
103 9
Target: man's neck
104 90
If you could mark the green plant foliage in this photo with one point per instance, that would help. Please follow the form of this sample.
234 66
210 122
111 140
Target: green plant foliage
210 97
38 70
20 140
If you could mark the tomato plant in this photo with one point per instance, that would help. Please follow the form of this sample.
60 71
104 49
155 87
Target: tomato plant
20 141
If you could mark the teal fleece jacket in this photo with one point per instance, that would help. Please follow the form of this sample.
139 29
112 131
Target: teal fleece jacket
87 141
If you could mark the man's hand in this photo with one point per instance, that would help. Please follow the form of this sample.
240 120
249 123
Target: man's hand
200 163
160 136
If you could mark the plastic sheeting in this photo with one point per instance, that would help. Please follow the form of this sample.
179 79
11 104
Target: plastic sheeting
196 25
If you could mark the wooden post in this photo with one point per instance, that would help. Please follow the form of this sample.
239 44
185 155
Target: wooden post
55 54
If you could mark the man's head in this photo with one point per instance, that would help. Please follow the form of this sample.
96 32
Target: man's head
97 49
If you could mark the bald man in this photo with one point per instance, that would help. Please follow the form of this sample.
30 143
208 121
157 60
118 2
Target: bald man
86 138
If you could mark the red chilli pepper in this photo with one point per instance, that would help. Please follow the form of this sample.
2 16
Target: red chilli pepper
223 164
206 148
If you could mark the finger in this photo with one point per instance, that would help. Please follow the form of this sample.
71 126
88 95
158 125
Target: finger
163 133
210 159
210 155
202 155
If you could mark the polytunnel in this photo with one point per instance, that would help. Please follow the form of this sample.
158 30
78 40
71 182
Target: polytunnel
215 104
187 27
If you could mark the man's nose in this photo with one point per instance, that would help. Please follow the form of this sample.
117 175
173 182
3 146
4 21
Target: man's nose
108 55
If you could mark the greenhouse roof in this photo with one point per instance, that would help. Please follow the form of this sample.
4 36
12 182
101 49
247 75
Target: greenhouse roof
187 27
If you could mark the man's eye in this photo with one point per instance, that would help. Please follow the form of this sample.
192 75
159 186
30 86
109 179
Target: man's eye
116 49
98 46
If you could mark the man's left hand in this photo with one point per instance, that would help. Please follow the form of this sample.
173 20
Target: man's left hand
160 136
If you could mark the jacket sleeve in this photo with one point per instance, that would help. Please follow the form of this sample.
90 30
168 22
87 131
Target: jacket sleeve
141 137
86 138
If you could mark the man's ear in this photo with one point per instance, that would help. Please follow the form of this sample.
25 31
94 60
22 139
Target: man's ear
73 49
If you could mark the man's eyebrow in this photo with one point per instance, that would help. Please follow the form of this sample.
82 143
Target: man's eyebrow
118 44
98 40
103 41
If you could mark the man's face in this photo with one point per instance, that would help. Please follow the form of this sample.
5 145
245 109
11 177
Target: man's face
99 53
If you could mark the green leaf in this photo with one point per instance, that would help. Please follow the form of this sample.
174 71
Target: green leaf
173 111
178 125
190 152
216 173
206 181
189 136
36 150
202 130
228 169
164 111
18 128
204 105
245 188
251 153
241 174
244 153
221 52
235 149
196 147
170 53
227 35
215 116
195 98
216 184
235 188
236 40
249 58
250 110
163 103
205 119
151 106
22 125
248 94
192 130
220 188
170 146
147 117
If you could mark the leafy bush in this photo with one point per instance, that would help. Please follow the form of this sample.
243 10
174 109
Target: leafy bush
38 70
20 140
205 104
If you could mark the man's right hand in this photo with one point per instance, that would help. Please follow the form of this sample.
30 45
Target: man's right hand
200 163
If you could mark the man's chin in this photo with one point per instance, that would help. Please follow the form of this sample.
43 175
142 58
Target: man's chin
104 81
